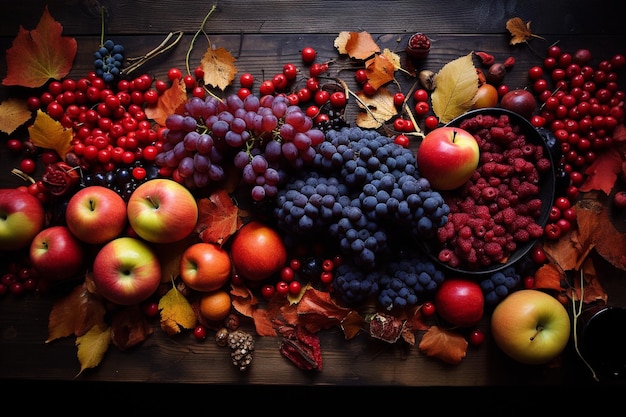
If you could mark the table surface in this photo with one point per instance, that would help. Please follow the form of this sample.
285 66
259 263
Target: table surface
263 36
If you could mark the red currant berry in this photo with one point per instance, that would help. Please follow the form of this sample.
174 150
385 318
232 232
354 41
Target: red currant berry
267 291
529 282
308 54
287 274
402 140
428 309
476 337
282 288
199 332
294 287
151 309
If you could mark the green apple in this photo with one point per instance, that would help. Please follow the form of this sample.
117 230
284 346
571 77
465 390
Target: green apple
531 326
126 271
21 218
162 211
447 157
96 214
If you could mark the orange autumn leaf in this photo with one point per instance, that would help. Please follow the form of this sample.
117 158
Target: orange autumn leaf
171 101
13 114
75 314
92 346
352 324
609 242
318 311
380 108
50 134
520 31
39 55
449 346
566 251
357 45
603 172
380 69
549 277
591 290
218 218
219 68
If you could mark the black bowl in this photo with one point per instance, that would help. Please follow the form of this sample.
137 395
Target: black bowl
547 187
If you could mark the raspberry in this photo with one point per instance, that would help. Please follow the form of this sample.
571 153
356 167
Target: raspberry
493 250
527 189
535 230
489 193
465 245
508 215
521 235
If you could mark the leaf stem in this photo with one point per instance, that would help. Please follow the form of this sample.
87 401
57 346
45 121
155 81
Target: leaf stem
577 312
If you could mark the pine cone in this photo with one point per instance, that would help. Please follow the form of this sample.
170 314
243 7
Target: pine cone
242 345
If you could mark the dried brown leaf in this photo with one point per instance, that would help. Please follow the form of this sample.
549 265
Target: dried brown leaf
380 108
219 68
457 83
520 31
592 290
449 346
129 327
13 114
549 277
380 70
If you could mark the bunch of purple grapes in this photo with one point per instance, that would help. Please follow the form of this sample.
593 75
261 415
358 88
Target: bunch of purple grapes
260 136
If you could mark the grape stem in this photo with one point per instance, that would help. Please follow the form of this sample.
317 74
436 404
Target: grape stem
193 40
577 312
137 62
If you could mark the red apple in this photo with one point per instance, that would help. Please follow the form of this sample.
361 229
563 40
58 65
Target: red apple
447 157
460 302
257 251
205 266
21 218
56 254
531 326
162 211
519 101
96 214
126 271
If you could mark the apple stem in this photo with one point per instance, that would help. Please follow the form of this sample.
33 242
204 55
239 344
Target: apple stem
151 200
539 329
453 135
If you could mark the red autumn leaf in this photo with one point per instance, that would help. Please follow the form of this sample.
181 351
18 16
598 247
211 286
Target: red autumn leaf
566 251
218 218
449 346
602 173
609 242
318 311
39 55
352 324
170 102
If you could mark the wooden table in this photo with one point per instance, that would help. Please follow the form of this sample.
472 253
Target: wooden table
263 36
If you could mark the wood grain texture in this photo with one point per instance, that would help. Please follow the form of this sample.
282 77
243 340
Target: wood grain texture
263 36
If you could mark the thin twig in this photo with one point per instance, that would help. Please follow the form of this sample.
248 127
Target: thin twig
136 62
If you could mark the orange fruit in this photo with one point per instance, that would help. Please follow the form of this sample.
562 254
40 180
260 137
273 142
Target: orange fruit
215 305
486 96
257 251
205 266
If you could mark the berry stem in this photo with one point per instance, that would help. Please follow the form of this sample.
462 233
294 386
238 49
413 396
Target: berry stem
577 312
162 47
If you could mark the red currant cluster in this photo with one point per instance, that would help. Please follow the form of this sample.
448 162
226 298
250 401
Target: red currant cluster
18 279
581 105
322 101
293 275
421 109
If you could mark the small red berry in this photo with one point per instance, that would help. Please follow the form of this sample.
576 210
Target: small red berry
199 332
268 291
428 309
294 287
308 54
619 199
151 309
282 288
529 282
476 337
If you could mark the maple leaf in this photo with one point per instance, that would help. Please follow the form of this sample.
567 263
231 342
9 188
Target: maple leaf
380 108
449 346
50 134
602 173
129 327
519 31
13 114
358 45
218 217
75 314
170 102
457 83
92 346
39 55
380 70
218 66
176 312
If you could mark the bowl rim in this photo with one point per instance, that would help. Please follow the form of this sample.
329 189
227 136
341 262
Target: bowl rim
547 190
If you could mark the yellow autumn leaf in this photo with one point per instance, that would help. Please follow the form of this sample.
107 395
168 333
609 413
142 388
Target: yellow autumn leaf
176 312
449 346
219 68
92 346
457 83
50 134
380 108
357 45
13 114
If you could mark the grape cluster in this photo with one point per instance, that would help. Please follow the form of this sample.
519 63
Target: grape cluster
259 136
407 280
361 189
499 284
108 60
